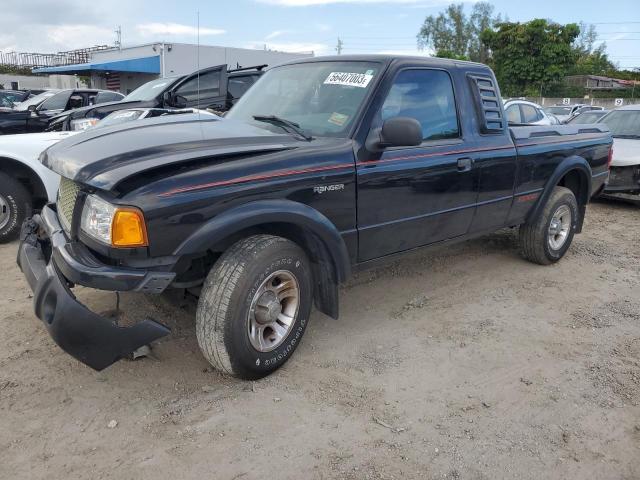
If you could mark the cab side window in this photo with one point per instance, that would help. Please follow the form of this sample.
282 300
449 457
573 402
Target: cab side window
513 114
209 86
529 114
57 101
427 96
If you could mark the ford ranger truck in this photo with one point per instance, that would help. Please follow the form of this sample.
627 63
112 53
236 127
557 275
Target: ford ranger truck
325 166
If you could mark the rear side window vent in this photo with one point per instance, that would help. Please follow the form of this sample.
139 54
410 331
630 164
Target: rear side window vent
487 104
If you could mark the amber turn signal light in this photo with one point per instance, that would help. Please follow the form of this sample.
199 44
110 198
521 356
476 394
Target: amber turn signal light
128 228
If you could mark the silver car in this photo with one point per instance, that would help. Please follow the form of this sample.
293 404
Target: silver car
522 112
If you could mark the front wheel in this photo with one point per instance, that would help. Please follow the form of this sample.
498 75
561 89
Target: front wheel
547 239
15 206
254 306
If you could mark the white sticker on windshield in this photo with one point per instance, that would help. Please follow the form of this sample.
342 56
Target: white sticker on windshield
348 79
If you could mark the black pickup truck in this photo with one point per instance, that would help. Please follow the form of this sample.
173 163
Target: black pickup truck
326 165
216 88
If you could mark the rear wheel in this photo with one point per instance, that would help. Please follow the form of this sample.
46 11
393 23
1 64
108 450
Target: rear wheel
254 306
15 206
547 239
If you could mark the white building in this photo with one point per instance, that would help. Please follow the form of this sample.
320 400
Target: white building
125 69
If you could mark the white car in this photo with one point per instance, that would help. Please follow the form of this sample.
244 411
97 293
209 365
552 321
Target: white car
522 112
26 184
624 124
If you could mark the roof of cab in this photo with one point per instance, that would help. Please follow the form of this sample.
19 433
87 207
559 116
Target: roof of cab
386 58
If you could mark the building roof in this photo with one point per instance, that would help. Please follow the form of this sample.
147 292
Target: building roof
137 65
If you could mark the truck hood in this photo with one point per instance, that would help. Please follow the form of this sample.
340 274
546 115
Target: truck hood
104 157
626 151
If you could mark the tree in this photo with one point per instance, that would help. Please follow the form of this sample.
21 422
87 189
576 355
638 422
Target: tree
591 60
452 34
526 56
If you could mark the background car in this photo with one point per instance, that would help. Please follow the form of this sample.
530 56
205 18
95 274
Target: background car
219 89
591 116
565 112
8 98
522 112
33 115
624 124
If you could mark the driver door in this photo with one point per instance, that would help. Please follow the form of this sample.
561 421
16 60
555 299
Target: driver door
414 196
48 109
206 88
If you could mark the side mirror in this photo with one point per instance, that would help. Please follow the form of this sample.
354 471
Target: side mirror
401 132
32 108
178 101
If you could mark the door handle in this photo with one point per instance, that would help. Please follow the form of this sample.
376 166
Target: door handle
465 164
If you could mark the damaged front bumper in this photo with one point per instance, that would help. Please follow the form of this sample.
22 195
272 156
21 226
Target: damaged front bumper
52 264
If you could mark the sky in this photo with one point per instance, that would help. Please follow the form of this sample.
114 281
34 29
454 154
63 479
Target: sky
364 26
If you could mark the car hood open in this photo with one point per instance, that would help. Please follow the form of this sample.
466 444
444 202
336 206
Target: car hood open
104 157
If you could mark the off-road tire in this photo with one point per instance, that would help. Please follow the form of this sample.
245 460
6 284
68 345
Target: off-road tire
535 245
226 297
18 204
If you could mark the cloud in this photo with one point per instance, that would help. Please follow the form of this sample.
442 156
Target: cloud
292 47
75 36
151 29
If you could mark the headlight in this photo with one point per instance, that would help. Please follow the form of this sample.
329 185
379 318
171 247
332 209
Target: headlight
83 123
111 225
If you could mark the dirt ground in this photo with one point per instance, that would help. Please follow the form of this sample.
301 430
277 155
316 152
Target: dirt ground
459 363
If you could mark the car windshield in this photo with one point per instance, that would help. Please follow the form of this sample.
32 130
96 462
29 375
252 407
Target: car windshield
558 110
323 98
623 123
149 90
37 100
587 117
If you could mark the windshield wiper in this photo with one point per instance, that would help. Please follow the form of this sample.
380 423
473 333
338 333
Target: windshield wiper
285 124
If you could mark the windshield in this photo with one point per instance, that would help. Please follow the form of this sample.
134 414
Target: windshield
7 99
322 97
558 110
37 100
149 90
587 117
623 123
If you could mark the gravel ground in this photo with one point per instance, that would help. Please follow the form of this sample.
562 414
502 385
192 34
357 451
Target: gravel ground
461 363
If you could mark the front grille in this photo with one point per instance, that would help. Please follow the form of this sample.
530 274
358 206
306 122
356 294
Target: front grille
67 196
624 177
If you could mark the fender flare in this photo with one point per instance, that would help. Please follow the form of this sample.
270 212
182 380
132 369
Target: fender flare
567 165
262 212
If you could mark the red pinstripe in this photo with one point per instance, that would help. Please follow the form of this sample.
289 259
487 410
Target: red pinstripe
286 173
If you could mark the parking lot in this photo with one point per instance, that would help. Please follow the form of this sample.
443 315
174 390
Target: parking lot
463 363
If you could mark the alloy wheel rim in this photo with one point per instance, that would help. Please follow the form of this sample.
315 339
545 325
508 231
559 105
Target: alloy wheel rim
5 212
273 311
559 227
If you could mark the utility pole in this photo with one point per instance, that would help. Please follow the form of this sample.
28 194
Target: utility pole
339 46
118 32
